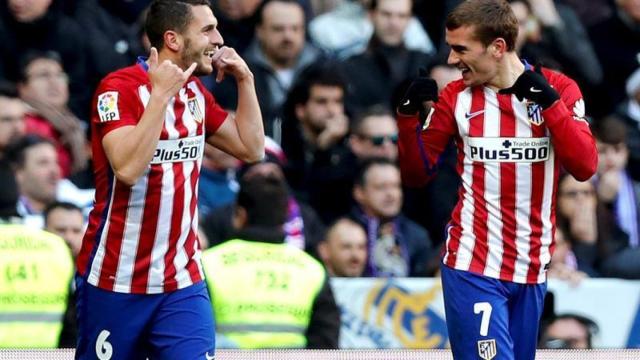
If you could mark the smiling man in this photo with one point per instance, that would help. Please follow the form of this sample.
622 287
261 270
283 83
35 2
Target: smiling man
514 126
140 283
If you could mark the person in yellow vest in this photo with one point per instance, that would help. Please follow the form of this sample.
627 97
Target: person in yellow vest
36 268
265 293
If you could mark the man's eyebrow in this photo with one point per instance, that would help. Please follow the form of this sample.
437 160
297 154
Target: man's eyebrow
458 48
209 27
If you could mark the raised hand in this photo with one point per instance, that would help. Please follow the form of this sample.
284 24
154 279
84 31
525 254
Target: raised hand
533 86
167 78
227 61
421 91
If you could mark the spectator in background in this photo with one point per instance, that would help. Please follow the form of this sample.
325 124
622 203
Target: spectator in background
44 86
12 117
396 245
564 265
386 62
374 133
588 225
303 229
218 186
35 163
346 30
41 25
629 113
34 264
265 293
67 221
550 33
344 250
616 41
568 331
618 193
276 57
314 139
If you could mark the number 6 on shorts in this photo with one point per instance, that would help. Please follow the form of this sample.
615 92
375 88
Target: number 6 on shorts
485 309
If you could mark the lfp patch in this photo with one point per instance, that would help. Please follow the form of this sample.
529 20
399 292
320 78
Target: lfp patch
108 106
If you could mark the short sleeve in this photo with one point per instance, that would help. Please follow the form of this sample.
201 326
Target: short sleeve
116 104
214 113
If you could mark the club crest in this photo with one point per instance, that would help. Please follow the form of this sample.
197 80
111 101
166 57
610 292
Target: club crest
534 113
487 349
194 109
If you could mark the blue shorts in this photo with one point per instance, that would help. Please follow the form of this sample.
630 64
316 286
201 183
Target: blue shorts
490 318
175 325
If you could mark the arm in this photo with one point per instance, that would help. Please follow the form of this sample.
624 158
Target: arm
421 142
324 327
241 135
570 135
121 143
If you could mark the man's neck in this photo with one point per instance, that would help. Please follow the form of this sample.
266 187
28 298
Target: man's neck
509 69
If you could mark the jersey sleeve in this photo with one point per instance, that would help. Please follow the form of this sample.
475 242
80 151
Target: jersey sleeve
214 113
115 104
571 137
420 146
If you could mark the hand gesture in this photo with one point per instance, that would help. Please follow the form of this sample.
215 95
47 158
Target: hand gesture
419 96
227 61
609 185
167 78
532 85
336 127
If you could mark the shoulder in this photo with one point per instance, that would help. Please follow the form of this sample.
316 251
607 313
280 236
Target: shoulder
126 77
558 80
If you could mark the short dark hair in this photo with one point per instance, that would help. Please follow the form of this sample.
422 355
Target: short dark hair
373 4
59 205
610 130
263 5
367 164
318 74
359 119
8 90
17 150
33 55
590 325
265 198
492 19
164 15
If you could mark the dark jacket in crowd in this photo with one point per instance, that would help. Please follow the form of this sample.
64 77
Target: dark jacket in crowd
374 74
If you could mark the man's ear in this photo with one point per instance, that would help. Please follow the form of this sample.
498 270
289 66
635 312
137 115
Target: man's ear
240 217
173 40
498 47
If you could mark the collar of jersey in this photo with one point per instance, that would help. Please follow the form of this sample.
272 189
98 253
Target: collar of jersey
142 61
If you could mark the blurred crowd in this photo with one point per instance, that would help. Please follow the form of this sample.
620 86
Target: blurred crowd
327 74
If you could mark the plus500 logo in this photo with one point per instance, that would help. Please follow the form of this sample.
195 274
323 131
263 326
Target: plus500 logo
509 149
177 150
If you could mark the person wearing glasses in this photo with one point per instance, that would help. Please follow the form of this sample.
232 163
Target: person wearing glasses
374 133
587 223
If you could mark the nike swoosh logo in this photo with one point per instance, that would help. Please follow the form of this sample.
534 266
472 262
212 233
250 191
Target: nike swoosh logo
469 115
406 102
209 357
532 89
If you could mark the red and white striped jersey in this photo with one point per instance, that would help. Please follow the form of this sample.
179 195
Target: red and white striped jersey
143 238
509 156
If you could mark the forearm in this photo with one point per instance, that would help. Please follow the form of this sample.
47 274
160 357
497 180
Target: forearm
249 120
572 141
131 153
